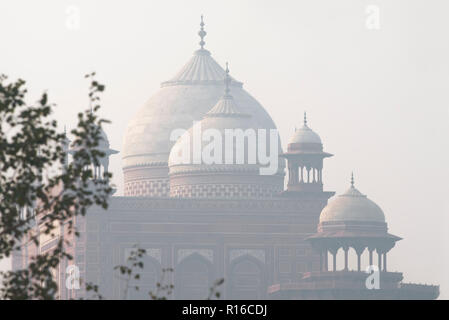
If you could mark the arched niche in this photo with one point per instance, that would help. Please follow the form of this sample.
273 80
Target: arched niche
246 279
193 278
149 276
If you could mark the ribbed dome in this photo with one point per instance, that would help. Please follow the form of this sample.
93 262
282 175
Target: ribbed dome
226 107
352 206
200 69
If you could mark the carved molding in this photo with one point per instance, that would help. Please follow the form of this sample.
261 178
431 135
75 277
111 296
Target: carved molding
146 203
259 254
208 254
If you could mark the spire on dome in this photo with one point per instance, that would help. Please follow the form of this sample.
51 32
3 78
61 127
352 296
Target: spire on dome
352 179
66 140
202 33
305 119
227 81
201 68
226 106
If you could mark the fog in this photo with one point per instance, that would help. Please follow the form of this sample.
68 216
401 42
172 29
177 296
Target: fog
377 95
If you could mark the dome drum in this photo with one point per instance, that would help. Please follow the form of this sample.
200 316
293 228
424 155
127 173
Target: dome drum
222 180
143 181
239 185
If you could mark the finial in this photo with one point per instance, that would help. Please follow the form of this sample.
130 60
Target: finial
227 80
202 33
305 119
66 139
352 179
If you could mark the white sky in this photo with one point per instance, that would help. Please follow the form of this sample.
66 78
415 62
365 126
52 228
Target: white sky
378 98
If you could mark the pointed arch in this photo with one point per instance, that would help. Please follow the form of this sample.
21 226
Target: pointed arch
193 277
246 279
150 275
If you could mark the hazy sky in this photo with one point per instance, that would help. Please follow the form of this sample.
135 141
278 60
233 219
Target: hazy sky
379 98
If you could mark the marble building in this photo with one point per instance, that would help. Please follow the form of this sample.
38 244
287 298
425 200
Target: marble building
211 221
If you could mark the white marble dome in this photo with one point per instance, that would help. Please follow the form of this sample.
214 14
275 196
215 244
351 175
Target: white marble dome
179 102
213 170
352 206
223 116
305 135
185 98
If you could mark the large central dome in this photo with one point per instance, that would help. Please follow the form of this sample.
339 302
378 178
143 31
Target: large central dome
185 98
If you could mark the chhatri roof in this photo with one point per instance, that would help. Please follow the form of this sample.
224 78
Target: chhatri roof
179 102
352 206
305 134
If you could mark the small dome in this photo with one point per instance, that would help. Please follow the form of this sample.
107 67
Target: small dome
352 206
223 116
305 135
103 142
218 156
104 145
